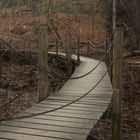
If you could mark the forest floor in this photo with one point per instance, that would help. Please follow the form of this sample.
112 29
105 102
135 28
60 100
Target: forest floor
22 79
130 106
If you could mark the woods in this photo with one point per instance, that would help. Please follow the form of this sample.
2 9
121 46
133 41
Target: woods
67 65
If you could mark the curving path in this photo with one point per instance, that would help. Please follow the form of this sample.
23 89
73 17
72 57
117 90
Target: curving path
73 122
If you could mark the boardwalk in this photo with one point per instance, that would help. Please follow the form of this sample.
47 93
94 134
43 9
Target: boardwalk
73 122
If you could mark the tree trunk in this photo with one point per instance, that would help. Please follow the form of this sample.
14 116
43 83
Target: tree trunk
43 62
117 85
114 15
137 22
0 72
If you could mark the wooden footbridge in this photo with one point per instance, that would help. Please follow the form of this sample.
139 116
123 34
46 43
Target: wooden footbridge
72 122
71 113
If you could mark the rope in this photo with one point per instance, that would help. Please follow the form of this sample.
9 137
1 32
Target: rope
46 71
61 107
41 68
93 46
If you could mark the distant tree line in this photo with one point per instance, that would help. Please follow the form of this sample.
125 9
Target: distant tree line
128 13
8 3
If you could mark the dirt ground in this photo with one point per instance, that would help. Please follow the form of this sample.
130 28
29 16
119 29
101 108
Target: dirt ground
130 106
23 79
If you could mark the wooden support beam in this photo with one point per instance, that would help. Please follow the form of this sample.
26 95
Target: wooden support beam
0 66
137 22
114 15
56 45
88 48
78 49
68 54
107 55
116 115
74 46
117 84
43 62
111 57
117 59
0 71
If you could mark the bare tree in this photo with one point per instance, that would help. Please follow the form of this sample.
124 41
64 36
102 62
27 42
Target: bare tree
51 16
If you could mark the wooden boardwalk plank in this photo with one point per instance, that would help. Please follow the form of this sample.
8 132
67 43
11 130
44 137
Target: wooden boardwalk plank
73 122
64 119
89 100
66 110
40 126
79 115
22 136
75 108
73 112
79 103
41 133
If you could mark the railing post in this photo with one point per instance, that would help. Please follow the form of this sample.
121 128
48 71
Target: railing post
68 55
0 72
43 62
116 115
88 48
56 45
110 57
74 45
117 84
78 49
107 53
